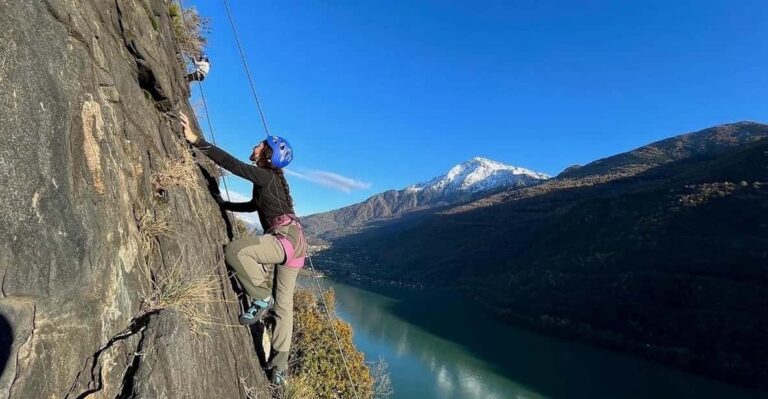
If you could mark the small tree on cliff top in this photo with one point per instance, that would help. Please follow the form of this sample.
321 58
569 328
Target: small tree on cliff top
191 29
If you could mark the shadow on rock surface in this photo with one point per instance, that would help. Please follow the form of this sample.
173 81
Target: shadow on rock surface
213 188
6 342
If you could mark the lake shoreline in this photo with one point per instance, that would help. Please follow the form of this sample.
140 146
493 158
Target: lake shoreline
676 358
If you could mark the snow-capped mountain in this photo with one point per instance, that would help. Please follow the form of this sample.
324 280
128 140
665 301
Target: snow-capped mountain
479 174
469 180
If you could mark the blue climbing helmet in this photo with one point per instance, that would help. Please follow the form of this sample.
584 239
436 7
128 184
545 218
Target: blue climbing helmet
282 153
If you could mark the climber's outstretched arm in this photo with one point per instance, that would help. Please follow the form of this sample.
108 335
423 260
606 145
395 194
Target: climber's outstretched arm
258 176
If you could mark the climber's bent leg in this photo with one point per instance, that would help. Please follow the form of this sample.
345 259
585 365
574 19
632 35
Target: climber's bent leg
250 257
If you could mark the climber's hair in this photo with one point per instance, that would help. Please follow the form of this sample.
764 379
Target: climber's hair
265 162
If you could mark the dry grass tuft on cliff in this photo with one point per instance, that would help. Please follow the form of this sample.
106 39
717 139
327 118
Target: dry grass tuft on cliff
177 173
189 291
191 29
152 224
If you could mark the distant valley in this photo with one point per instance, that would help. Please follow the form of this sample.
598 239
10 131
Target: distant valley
659 251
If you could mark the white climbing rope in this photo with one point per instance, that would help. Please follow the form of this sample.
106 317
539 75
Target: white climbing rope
330 321
235 232
245 66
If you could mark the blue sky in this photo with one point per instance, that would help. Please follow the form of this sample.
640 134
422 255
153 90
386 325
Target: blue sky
378 95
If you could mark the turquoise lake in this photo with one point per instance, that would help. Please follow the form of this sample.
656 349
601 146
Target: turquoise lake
439 346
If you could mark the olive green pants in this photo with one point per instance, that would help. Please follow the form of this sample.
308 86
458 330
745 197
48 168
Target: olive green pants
254 259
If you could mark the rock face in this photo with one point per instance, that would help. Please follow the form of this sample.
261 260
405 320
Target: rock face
85 91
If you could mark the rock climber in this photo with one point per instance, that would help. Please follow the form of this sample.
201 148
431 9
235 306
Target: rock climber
282 248
202 67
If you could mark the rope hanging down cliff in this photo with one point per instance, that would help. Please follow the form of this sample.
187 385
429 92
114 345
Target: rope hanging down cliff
245 66
213 138
309 257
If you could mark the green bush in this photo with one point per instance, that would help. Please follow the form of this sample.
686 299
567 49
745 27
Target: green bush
315 355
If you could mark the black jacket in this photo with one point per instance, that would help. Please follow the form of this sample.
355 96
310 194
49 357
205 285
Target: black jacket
269 193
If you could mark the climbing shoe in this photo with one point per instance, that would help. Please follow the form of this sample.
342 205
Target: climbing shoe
277 377
256 311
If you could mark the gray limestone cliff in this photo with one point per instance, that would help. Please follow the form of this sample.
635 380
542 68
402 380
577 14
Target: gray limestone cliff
87 93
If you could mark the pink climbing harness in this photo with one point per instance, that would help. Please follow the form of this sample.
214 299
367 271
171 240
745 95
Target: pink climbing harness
291 260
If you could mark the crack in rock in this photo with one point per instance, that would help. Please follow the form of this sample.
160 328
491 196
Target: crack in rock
95 383
147 79
129 382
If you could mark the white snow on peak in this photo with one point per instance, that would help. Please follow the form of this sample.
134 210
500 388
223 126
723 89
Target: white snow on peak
479 174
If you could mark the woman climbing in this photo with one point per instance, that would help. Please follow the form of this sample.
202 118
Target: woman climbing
282 247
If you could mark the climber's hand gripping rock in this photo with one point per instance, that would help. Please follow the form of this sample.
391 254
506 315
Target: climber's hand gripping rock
189 134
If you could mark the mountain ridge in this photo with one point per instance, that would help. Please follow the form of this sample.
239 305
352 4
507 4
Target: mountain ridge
705 142
461 183
347 220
